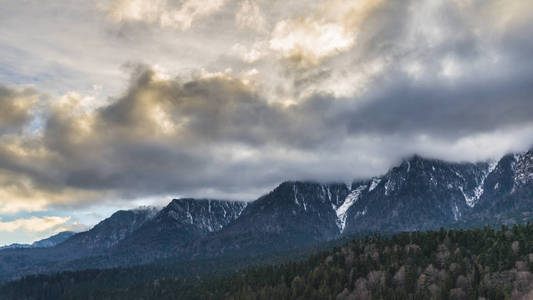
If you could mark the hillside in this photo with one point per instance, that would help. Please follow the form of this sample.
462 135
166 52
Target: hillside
458 264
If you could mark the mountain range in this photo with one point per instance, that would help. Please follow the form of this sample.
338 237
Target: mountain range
47 242
418 194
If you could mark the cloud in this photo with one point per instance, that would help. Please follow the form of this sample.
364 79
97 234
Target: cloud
33 224
250 16
331 30
306 41
249 55
244 95
24 229
215 134
450 111
16 108
175 14
28 190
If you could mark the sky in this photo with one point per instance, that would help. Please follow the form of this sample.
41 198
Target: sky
108 105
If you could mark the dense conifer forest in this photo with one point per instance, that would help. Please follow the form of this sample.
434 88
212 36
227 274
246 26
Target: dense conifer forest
457 264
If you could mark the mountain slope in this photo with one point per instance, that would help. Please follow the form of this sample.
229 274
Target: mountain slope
293 215
110 231
178 224
456 264
54 239
508 191
419 194
106 234
423 194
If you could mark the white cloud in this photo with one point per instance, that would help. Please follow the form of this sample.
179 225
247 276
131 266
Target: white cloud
162 12
249 54
309 41
250 15
450 68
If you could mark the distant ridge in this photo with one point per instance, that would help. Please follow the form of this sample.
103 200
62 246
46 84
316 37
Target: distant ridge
46 242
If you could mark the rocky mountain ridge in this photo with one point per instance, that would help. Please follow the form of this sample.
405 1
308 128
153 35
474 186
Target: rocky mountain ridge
418 194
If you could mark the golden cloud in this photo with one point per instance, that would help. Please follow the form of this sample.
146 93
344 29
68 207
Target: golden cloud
331 30
19 192
16 105
82 154
33 224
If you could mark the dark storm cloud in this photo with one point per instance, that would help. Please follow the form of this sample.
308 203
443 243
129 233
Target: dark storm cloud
445 110
491 91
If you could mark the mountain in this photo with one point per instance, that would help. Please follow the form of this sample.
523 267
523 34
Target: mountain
418 194
181 222
106 234
54 239
507 195
110 231
16 246
47 242
294 214
422 194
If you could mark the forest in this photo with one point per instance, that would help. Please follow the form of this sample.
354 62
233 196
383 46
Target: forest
488 263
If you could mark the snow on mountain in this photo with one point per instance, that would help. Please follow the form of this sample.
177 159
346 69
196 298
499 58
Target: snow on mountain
479 189
523 168
348 202
206 214
374 184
